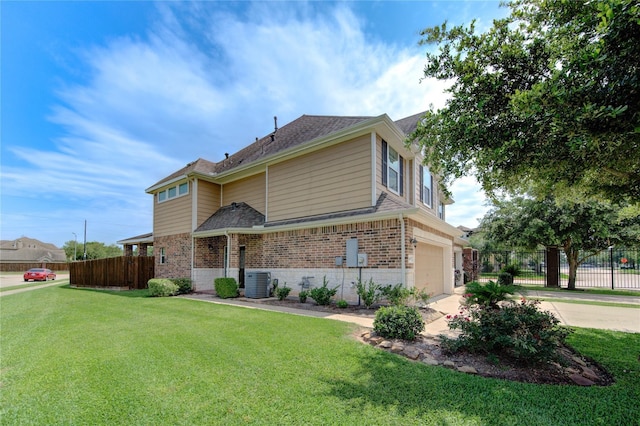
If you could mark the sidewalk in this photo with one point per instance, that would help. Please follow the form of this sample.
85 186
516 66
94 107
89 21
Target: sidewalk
625 319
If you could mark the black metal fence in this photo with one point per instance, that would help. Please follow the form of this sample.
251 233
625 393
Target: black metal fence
615 268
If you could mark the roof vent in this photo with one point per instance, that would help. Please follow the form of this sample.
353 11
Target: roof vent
234 205
226 155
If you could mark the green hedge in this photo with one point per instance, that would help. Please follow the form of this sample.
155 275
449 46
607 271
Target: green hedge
226 287
162 287
184 285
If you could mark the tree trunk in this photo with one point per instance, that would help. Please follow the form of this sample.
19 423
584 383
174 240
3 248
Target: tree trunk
572 258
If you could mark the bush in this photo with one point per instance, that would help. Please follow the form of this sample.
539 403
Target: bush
283 292
162 287
505 278
184 285
226 287
342 304
488 295
513 269
519 331
322 295
369 293
398 322
397 295
303 296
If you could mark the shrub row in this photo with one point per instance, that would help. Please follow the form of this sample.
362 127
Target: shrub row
163 287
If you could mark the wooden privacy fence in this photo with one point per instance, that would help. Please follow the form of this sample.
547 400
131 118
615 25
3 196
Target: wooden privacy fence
132 272
23 267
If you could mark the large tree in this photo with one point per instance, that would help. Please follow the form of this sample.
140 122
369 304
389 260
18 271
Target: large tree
580 229
95 250
547 99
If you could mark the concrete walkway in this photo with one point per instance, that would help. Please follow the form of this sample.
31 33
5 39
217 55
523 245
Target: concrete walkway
569 313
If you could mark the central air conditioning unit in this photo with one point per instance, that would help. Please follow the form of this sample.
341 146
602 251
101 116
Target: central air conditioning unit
256 285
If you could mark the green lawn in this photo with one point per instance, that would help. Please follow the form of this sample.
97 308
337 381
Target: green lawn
88 357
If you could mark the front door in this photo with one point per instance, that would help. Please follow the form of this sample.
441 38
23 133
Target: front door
241 266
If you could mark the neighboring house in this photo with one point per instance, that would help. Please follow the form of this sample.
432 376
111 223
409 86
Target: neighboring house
29 250
289 203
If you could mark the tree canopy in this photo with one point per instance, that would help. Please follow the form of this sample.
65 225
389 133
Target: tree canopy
580 229
547 99
95 250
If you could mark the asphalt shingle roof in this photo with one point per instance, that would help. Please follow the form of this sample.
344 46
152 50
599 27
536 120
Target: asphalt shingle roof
301 130
235 215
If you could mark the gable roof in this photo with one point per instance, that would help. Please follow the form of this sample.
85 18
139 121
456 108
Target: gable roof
304 129
409 124
199 166
235 215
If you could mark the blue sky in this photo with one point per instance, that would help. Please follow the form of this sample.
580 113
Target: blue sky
100 100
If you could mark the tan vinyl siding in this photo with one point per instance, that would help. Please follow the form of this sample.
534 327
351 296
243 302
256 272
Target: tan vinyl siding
249 190
208 200
334 179
172 216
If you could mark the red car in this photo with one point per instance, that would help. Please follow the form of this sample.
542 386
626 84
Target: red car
39 274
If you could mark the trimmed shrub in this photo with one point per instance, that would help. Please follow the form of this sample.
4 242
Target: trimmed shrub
322 295
184 285
369 293
226 287
342 304
283 292
162 287
518 331
398 322
303 296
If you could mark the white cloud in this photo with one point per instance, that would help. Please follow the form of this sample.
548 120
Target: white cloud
149 105
470 203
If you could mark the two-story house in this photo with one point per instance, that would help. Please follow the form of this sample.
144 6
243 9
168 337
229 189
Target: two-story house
289 203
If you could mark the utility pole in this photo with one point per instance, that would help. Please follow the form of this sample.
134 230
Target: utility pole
84 256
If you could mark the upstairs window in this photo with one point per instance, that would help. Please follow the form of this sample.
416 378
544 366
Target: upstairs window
173 192
392 169
441 211
426 189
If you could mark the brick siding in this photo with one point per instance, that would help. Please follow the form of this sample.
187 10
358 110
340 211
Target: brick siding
178 256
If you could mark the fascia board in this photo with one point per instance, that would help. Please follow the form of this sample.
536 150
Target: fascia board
314 224
136 241
436 223
154 188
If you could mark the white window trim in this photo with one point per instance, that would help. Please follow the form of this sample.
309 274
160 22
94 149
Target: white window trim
427 201
163 256
177 194
389 169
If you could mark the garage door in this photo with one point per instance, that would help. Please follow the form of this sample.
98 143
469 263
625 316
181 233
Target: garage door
428 268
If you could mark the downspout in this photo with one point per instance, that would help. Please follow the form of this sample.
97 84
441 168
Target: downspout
227 260
403 267
194 224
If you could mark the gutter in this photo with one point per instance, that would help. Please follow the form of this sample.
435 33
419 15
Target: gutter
256 230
